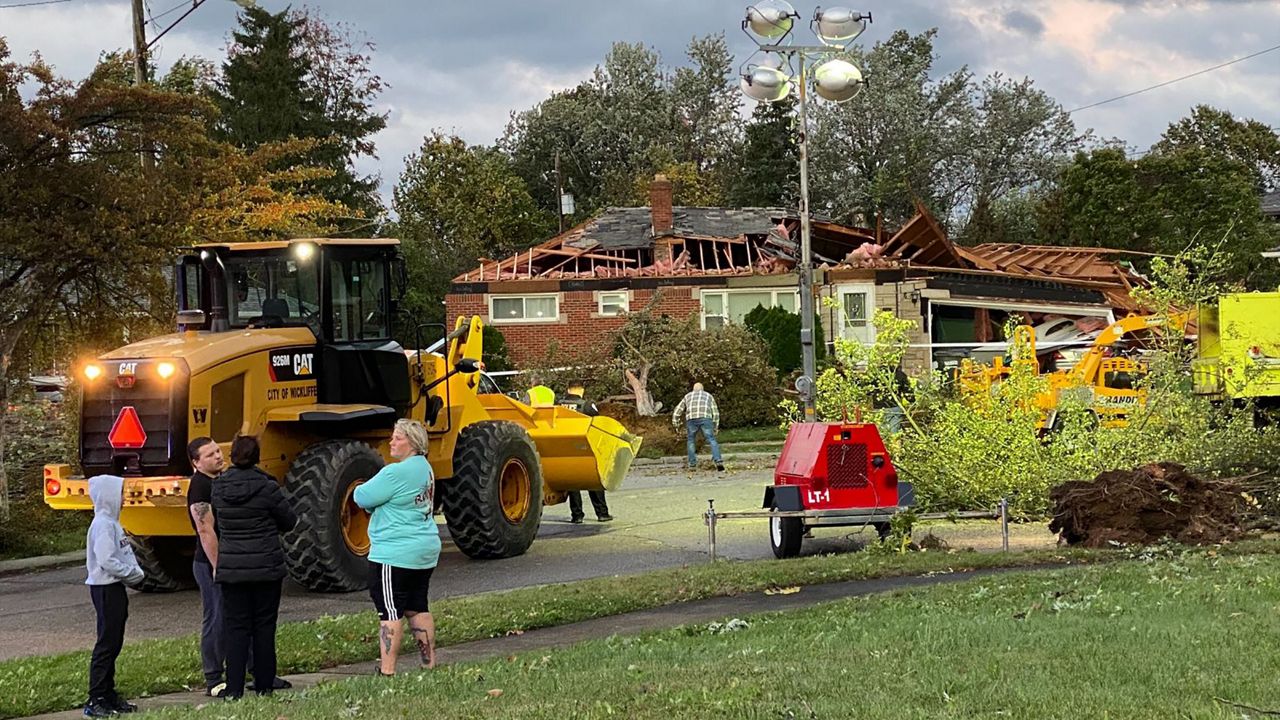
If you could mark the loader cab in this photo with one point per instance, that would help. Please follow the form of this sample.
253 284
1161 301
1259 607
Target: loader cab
343 291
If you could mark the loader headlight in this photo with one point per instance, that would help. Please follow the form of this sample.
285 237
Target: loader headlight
92 372
165 370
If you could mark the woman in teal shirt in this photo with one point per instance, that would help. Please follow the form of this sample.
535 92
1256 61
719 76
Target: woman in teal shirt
404 545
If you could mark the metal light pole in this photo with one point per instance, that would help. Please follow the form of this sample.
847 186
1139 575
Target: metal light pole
808 353
834 79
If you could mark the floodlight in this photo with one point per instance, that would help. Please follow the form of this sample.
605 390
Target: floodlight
766 84
838 26
770 19
837 80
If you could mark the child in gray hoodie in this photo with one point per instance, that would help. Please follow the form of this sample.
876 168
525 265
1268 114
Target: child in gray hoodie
111 565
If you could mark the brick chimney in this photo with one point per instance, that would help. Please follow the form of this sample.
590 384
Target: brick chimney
663 222
660 205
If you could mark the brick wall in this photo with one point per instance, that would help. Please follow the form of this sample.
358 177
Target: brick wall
579 325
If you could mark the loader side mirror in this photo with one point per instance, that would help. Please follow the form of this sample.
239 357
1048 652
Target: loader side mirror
467 366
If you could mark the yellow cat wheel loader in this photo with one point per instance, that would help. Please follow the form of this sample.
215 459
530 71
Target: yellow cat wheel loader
290 341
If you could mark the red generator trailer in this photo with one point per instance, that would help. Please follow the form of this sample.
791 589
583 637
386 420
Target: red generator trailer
832 475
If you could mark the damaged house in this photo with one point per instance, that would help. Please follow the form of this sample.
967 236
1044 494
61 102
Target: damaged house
720 263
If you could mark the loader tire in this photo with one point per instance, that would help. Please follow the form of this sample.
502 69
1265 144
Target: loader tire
166 562
493 504
327 551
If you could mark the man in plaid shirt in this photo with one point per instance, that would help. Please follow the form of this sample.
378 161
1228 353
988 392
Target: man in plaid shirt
700 413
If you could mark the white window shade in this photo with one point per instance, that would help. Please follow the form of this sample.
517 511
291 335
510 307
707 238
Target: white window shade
524 308
612 304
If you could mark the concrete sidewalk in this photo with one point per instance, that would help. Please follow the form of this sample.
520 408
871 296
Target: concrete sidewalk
702 611
41 562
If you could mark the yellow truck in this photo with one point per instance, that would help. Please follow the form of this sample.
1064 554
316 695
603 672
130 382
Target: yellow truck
290 341
1238 349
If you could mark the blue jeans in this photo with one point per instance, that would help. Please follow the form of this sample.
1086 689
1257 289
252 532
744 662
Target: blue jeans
708 431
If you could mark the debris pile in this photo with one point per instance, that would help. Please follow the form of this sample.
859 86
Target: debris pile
1146 505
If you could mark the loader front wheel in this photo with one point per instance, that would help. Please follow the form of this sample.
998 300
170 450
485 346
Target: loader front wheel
166 562
327 551
493 504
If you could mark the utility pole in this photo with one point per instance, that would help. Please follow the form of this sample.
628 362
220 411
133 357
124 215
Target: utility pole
140 67
559 194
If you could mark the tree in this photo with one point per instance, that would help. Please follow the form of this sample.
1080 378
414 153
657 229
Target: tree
768 169
291 75
1163 202
705 101
1020 140
1099 202
457 204
902 138
85 231
960 147
633 117
1251 143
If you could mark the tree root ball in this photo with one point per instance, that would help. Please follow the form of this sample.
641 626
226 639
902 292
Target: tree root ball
1146 505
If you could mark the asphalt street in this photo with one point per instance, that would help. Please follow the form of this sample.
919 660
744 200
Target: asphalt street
658 525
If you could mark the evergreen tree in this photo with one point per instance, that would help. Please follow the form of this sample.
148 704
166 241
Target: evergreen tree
279 81
768 167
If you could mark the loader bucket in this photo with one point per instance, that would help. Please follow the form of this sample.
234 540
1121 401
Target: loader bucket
578 452
583 453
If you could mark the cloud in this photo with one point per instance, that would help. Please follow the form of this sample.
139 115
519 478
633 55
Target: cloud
1024 22
463 68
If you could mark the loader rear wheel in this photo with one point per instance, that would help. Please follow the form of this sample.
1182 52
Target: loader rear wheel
328 549
493 504
785 536
166 562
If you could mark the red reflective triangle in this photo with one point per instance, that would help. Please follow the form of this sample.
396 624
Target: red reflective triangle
127 432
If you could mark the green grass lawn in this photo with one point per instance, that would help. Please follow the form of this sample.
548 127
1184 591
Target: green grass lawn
1173 636
54 542
764 433
43 684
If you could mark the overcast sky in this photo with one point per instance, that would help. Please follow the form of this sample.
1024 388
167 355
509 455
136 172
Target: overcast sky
463 67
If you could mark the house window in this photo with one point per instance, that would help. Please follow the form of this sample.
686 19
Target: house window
721 307
612 304
524 308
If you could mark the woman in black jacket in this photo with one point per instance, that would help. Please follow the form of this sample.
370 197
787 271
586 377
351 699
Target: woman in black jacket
251 513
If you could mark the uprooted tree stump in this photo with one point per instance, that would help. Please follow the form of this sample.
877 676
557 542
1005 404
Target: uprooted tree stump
1146 505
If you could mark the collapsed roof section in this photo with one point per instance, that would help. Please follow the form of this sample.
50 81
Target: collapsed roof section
665 241
622 242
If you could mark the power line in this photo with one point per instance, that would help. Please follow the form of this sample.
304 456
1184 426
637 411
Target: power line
170 11
38 2
1170 82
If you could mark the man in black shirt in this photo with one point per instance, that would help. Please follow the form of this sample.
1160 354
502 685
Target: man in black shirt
206 460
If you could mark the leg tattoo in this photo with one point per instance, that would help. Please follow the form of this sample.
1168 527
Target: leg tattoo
384 632
425 651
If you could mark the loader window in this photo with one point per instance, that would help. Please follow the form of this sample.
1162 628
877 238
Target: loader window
272 290
360 299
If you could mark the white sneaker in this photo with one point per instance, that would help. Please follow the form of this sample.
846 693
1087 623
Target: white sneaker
215 690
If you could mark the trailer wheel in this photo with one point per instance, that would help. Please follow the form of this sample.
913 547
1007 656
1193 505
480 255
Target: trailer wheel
785 536
166 562
493 504
327 550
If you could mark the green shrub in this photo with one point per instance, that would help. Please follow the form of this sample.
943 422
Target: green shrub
35 434
495 350
780 329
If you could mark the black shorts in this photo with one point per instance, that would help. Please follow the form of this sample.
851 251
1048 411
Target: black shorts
396 591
